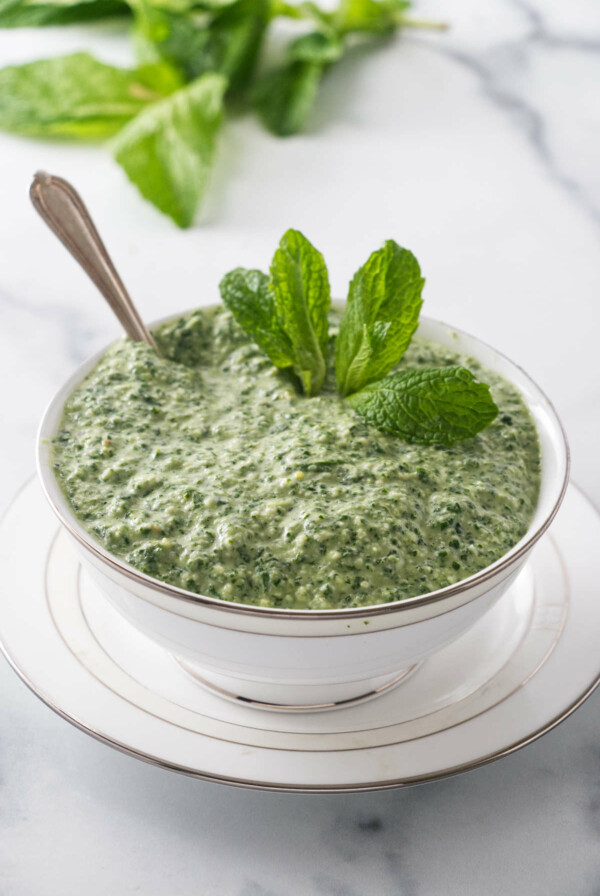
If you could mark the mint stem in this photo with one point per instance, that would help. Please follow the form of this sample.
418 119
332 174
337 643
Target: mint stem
403 22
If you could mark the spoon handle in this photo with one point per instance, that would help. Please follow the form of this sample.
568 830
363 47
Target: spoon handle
63 210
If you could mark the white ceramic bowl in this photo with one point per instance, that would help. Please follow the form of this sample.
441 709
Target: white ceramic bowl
313 658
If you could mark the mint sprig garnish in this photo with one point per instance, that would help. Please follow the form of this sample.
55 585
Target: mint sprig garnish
382 313
286 316
437 405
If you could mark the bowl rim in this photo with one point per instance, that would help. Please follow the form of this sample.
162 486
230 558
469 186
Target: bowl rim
59 504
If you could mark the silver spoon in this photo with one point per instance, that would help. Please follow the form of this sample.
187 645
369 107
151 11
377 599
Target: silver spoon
62 208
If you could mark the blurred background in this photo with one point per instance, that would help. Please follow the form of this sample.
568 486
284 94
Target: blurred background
476 147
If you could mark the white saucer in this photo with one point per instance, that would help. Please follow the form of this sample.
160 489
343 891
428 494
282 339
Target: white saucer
524 668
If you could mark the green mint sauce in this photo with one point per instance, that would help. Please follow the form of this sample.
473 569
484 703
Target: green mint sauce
213 474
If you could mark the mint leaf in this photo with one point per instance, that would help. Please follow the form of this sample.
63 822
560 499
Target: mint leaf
32 13
381 316
438 405
76 96
225 38
167 151
248 296
236 35
300 11
319 47
300 285
159 78
284 97
369 16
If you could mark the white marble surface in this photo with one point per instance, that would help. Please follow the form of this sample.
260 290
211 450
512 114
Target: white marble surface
478 149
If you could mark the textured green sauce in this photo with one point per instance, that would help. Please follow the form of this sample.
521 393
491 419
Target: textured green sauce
215 475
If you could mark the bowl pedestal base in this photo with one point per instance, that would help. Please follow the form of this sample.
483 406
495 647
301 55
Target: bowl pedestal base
491 641
282 698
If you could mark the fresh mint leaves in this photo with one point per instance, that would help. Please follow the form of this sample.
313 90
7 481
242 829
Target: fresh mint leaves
286 316
167 151
381 316
77 97
438 405
284 96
